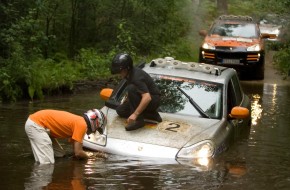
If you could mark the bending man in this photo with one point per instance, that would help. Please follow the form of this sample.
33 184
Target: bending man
44 126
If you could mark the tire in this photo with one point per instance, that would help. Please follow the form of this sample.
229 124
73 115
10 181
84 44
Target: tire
259 74
259 71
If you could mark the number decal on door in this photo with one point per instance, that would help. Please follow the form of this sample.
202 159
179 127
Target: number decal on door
172 127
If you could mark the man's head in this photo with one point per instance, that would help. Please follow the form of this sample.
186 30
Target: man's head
122 63
96 121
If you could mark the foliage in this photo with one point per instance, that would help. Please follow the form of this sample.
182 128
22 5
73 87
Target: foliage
48 45
280 10
281 60
47 76
92 64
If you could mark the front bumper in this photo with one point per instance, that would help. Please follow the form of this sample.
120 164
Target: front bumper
130 148
241 61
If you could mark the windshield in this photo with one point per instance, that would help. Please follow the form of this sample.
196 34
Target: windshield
208 96
245 30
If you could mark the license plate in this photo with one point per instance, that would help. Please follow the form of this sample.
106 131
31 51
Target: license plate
231 61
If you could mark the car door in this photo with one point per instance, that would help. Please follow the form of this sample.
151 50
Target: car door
235 98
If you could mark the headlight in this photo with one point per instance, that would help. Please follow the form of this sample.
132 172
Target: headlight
97 138
256 47
202 149
208 46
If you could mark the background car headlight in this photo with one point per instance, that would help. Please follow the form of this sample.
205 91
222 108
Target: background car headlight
203 149
208 46
255 47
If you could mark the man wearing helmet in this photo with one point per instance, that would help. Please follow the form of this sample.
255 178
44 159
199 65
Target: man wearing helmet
45 126
143 94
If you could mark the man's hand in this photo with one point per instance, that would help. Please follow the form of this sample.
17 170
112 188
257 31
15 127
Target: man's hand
132 118
90 155
95 155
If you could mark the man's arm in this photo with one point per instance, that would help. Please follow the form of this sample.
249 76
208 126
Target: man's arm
146 98
78 150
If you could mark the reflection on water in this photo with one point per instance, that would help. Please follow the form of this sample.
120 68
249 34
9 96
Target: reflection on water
68 175
41 176
256 108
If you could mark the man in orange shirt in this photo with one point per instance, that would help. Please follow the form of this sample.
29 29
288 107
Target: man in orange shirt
44 126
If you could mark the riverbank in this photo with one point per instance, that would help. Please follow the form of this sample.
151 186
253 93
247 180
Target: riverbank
97 84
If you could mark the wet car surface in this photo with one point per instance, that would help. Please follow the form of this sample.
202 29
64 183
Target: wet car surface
203 108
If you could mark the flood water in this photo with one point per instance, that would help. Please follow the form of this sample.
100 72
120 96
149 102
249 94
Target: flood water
259 161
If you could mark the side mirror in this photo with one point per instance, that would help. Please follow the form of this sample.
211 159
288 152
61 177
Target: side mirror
265 35
203 33
106 93
239 112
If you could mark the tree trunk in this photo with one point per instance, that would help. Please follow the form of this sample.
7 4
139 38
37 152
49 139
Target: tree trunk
222 7
72 34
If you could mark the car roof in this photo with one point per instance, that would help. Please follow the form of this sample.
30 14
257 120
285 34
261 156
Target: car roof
191 70
235 18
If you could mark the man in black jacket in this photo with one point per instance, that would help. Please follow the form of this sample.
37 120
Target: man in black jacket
143 94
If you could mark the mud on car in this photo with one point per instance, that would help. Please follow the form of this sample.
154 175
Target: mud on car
236 42
203 110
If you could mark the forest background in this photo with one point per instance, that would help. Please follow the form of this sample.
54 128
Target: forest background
47 46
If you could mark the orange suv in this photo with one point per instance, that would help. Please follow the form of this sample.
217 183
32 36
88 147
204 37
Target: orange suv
236 42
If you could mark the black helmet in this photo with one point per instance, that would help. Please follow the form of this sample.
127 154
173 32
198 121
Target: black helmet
121 61
96 121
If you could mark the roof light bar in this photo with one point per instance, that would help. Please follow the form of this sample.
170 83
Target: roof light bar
234 17
170 62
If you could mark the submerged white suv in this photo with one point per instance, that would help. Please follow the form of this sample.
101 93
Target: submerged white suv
203 108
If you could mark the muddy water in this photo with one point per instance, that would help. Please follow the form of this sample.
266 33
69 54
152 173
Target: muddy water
260 161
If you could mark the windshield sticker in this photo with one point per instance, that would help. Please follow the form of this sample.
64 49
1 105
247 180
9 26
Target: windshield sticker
229 39
177 79
244 40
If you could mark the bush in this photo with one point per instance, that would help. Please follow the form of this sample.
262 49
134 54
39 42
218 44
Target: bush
281 60
92 64
48 75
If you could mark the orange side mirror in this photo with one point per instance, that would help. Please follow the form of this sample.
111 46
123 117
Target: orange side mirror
106 93
239 112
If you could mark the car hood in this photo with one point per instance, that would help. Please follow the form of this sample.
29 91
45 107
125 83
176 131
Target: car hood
174 131
217 40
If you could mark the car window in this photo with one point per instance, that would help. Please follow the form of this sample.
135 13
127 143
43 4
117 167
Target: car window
207 95
237 89
234 93
245 30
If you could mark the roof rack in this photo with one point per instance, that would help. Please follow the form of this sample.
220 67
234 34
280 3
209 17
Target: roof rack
170 62
235 17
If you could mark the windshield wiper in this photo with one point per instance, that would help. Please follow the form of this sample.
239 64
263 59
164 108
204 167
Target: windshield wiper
195 105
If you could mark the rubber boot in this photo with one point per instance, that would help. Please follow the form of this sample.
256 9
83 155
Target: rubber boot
139 123
153 116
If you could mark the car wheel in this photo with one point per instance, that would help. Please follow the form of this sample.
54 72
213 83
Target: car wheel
259 71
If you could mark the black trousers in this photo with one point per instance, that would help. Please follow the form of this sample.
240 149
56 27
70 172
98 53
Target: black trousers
132 102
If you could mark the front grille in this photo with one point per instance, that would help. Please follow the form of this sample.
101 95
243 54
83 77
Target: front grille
218 56
225 55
